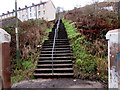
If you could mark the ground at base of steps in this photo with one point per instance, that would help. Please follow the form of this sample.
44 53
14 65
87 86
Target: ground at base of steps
57 83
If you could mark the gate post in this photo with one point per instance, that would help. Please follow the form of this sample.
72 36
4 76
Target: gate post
5 38
113 38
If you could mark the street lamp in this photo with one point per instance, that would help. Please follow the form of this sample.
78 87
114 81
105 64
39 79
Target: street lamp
16 31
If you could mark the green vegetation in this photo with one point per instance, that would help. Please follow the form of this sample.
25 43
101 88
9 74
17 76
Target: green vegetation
23 69
31 34
88 65
47 32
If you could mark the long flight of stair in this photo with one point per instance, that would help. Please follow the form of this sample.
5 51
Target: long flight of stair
62 66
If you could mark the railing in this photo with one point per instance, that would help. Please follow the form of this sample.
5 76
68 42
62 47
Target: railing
55 37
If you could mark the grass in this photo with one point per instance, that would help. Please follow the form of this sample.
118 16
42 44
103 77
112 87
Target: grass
24 69
87 65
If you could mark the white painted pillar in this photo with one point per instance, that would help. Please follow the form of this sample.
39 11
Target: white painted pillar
5 39
113 50
1 67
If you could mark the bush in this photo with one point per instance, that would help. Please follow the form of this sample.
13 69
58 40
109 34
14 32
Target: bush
24 68
88 65
31 34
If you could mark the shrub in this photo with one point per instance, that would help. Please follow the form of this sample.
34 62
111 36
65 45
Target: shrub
88 65
31 34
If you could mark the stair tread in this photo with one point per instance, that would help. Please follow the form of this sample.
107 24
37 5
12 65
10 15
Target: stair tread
59 54
54 57
54 65
42 69
58 39
62 60
56 48
56 51
55 60
56 45
41 74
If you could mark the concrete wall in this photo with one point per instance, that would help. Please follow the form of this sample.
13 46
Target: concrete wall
6 65
0 60
7 21
5 39
50 11
1 67
113 37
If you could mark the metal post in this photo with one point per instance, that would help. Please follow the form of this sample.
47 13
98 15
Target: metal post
108 64
119 14
56 31
16 31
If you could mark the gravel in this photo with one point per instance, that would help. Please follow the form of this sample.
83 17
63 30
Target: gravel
57 83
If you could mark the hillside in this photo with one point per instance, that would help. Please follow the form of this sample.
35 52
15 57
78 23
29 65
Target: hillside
87 27
94 20
32 33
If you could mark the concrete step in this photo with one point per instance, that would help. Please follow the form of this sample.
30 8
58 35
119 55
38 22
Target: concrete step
55 61
57 41
61 64
49 69
56 44
66 51
59 46
54 65
55 49
55 75
57 54
55 70
59 74
56 58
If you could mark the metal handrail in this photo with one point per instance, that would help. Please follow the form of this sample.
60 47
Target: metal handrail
55 37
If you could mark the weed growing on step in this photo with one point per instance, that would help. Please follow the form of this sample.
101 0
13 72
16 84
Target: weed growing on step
47 33
87 64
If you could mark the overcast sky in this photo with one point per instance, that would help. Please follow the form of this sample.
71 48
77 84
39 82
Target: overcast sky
9 5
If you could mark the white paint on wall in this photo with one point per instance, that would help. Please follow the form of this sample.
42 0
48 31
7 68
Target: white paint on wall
46 11
113 78
4 36
109 8
112 0
113 36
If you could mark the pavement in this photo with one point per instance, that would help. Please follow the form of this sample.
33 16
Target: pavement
57 83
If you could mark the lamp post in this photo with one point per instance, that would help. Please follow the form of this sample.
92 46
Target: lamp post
118 14
16 31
